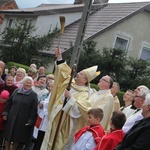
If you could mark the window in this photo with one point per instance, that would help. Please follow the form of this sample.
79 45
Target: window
28 21
121 43
11 22
145 53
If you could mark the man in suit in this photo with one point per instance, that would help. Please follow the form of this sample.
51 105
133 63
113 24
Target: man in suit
138 136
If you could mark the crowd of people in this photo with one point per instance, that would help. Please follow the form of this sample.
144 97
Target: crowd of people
62 112
24 97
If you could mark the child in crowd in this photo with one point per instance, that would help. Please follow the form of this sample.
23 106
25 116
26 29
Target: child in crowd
112 139
88 137
3 99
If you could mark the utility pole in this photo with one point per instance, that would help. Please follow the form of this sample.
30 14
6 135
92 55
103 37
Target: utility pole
80 35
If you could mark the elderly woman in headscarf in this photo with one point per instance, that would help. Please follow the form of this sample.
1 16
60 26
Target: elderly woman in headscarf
20 114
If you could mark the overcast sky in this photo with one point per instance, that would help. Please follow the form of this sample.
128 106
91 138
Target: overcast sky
34 3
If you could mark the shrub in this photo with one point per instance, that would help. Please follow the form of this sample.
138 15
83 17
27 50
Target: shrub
94 86
9 64
120 97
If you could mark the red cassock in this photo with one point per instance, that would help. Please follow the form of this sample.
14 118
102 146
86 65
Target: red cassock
96 130
110 140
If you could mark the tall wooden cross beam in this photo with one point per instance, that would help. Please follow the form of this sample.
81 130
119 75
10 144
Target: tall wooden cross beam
80 35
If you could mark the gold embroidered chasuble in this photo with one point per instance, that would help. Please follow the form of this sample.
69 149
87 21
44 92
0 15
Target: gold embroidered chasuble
80 97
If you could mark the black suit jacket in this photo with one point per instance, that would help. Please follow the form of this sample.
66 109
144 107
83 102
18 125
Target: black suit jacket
138 137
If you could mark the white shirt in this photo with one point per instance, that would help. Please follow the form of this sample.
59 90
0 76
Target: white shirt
131 121
85 142
43 113
128 111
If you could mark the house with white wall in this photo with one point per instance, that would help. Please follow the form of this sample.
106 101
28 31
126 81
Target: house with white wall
118 25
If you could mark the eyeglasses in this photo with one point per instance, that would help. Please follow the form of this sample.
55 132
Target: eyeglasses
104 80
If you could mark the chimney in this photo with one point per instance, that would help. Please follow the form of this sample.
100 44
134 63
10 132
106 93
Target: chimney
78 1
100 1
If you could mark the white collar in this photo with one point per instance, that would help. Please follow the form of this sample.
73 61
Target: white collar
102 91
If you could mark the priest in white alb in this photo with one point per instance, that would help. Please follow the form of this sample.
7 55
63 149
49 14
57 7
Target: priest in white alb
104 100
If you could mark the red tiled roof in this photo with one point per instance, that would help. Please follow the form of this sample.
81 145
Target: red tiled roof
6 4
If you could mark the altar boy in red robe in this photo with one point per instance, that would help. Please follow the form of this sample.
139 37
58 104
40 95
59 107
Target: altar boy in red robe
115 136
89 136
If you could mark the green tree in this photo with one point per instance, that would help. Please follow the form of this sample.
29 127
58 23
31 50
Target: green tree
112 62
89 57
137 73
21 46
128 72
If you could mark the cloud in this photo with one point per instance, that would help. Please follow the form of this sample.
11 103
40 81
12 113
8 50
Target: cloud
30 3
61 1
34 3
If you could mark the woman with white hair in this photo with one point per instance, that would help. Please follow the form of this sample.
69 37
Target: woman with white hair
138 136
20 114
18 79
